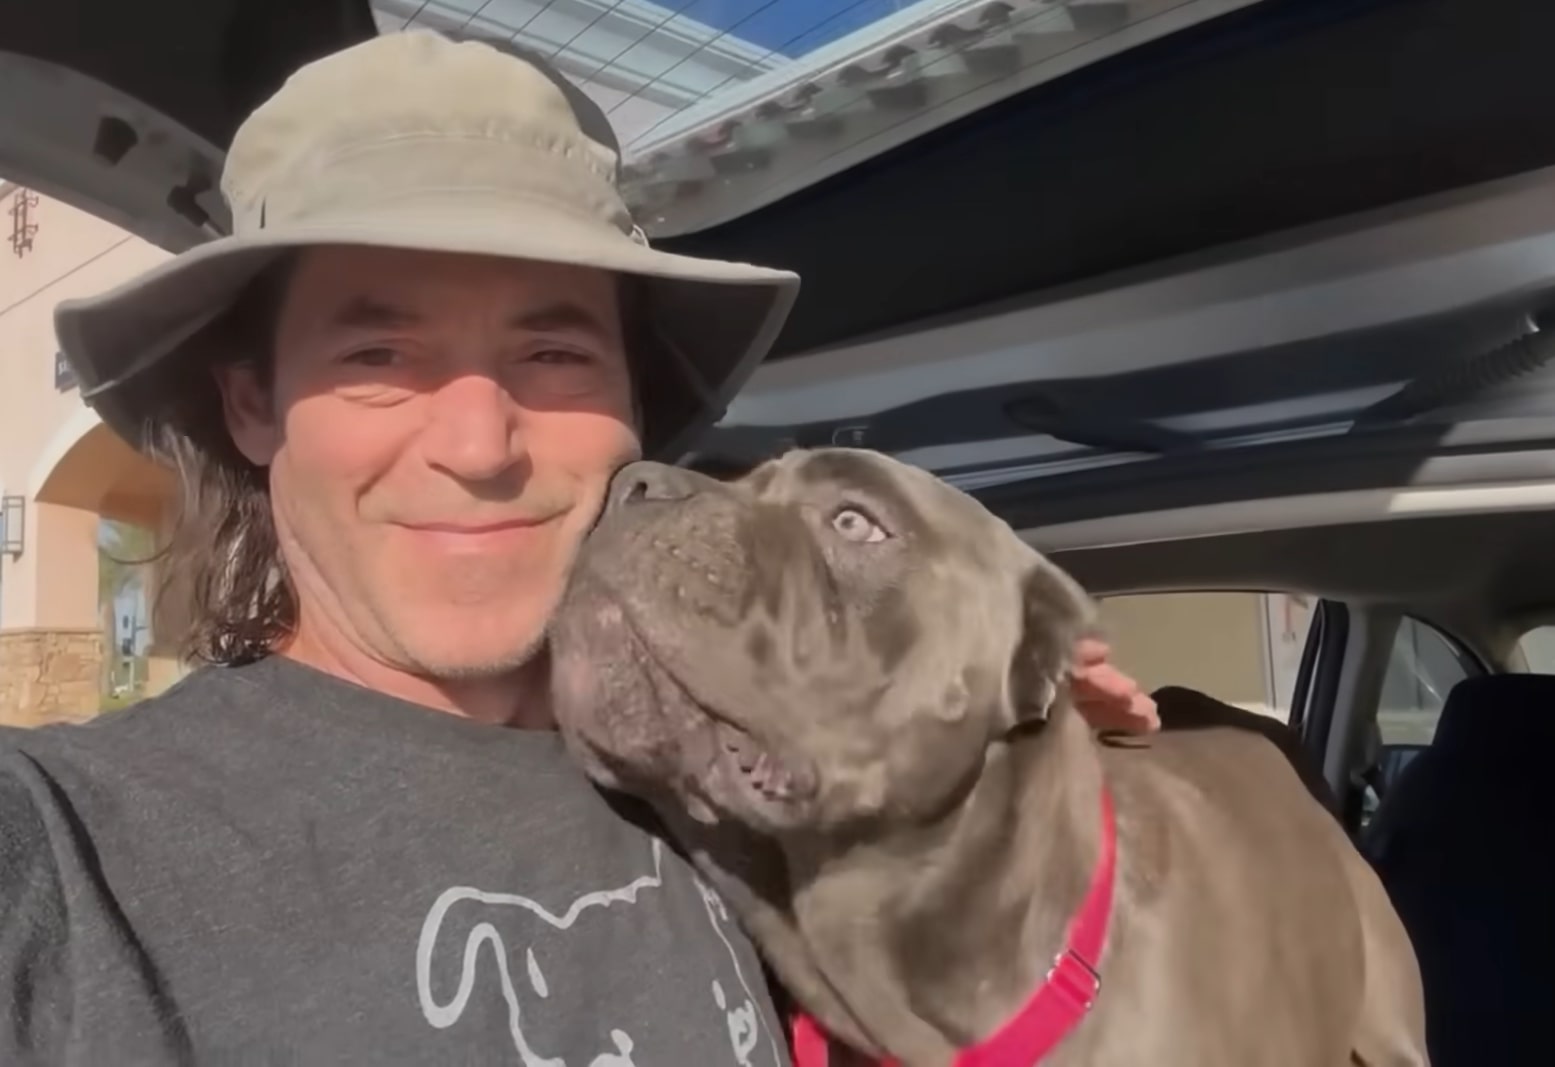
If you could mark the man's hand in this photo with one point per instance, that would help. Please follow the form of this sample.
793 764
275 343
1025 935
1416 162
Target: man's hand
1108 698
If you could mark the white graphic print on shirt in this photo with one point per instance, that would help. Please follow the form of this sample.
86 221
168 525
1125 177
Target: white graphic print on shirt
737 1001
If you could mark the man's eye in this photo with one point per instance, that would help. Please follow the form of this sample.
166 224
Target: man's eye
553 372
561 357
857 525
372 357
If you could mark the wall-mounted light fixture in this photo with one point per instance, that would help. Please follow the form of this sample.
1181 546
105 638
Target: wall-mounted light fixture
13 524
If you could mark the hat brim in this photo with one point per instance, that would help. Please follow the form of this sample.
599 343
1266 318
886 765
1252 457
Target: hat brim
716 319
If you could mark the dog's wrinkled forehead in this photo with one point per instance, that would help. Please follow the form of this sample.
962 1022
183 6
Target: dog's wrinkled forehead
798 474
922 507
838 467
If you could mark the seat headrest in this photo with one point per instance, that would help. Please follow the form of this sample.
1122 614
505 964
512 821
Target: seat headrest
1508 709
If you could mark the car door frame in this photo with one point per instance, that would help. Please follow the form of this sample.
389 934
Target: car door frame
1338 690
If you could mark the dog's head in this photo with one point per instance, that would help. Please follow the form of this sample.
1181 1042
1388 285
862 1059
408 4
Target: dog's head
835 637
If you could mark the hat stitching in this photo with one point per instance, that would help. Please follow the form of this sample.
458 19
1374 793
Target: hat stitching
242 191
549 146
561 206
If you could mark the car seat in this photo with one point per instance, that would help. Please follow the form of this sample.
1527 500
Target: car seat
1462 844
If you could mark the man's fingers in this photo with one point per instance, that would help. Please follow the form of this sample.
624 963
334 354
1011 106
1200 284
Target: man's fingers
1089 651
1110 699
1143 711
1106 682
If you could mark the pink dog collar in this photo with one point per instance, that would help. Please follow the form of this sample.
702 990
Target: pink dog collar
1060 1002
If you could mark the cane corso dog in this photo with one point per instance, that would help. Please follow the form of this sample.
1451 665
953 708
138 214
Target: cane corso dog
842 684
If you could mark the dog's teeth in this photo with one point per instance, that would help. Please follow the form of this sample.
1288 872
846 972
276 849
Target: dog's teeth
765 774
741 750
744 751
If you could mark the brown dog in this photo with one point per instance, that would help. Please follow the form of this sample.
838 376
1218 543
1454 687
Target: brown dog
851 677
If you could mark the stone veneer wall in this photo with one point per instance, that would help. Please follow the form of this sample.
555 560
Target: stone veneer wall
49 676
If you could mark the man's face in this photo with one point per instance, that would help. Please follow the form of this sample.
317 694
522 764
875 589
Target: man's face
440 434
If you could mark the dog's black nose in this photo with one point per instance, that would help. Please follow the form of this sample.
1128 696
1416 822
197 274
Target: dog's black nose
644 482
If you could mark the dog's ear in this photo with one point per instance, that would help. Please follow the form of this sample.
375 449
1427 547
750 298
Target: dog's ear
1057 614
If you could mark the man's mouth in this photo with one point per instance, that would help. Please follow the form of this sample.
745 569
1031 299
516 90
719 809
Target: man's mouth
467 537
475 527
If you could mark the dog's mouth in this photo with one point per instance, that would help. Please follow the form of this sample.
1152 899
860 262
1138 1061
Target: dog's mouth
728 770
671 735
773 782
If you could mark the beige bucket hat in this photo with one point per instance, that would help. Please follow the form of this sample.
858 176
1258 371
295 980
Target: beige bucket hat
415 141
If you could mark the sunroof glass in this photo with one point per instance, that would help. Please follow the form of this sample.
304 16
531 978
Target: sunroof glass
724 105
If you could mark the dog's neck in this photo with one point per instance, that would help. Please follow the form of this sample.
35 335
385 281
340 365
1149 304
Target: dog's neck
1019 850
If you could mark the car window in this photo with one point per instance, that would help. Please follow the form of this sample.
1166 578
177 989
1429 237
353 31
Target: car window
1423 667
1243 648
1538 648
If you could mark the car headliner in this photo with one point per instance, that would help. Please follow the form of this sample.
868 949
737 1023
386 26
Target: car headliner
1483 577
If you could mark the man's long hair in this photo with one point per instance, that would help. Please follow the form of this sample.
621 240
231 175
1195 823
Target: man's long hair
224 585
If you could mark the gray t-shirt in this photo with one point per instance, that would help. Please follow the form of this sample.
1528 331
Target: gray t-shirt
267 865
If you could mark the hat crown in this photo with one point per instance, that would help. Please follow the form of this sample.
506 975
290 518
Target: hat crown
414 111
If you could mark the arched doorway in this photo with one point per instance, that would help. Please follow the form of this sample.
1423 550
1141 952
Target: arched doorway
53 650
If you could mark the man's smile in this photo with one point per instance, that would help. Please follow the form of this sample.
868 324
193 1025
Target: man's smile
478 536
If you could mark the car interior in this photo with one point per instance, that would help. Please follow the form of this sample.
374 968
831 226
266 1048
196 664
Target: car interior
1212 295
1445 794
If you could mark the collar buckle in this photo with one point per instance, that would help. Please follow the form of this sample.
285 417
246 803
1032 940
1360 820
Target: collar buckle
1076 979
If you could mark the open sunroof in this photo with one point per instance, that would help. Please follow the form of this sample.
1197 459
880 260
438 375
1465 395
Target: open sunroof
725 105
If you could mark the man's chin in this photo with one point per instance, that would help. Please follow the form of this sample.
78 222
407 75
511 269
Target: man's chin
476 658
455 643
454 671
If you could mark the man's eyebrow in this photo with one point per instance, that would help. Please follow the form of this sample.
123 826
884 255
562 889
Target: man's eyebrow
365 313
559 317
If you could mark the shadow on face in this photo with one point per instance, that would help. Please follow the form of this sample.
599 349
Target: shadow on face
828 639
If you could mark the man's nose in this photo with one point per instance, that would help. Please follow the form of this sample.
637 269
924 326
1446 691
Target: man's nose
473 433
645 482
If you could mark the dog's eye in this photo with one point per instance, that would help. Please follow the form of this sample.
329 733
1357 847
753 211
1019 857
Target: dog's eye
856 525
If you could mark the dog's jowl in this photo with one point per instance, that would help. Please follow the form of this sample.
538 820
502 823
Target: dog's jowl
842 684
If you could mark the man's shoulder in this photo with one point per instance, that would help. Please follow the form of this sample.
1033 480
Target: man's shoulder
148 721
80 806
116 751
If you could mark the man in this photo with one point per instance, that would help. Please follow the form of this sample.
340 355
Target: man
393 401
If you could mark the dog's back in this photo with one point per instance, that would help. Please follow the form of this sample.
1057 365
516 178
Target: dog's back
1187 709
1250 895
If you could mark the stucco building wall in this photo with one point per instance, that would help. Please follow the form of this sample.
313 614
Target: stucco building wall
65 468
